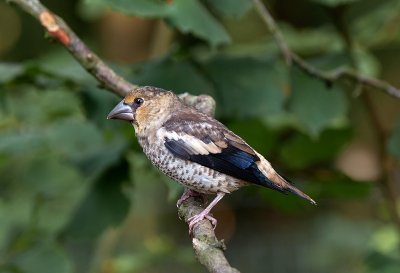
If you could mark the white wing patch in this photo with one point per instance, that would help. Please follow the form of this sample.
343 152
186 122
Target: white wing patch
193 145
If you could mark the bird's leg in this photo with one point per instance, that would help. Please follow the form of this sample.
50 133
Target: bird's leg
189 193
204 214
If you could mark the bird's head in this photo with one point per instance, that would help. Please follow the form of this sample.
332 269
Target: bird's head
146 107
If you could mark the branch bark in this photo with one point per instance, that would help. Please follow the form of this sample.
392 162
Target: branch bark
338 75
208 250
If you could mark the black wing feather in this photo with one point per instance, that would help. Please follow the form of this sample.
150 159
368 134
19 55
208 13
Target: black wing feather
177 149
231 161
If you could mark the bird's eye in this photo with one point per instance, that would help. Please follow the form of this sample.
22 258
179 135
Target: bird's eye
138 101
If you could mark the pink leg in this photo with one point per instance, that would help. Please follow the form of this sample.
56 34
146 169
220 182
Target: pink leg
204 214
189 193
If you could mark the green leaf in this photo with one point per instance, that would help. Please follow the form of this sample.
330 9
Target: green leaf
334 3
168 74
336 185
246 87
105 206
75 139
9 71
379 262
62 64
44 259
16 143
103 157
140 8
288 203
393 143
41 107
188 16
302 151
175 190
314 103
97 104
255 134
41 191
230 8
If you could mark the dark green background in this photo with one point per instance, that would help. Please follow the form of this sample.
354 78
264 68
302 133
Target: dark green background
78 195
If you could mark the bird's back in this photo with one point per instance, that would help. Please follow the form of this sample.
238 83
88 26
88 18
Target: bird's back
201 153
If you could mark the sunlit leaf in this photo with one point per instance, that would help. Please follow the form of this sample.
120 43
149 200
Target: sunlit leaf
314 103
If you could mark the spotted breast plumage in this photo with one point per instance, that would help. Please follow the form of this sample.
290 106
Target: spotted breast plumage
194 149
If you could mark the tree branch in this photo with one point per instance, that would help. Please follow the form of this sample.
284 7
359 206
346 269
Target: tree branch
338 75
209 251
60 31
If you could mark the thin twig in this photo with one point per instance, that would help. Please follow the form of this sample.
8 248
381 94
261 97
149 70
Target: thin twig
338 75
273 28
209 251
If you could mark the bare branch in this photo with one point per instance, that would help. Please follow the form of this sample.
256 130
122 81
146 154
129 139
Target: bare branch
339 75
209 251
60 31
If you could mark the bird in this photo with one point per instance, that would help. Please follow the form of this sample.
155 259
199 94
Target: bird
194 149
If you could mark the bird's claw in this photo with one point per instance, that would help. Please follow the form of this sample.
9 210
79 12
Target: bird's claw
189 193
197 218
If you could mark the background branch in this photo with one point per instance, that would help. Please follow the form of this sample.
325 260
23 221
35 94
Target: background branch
208 250
349 76
338 75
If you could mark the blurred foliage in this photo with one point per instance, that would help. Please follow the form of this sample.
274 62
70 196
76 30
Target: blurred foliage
78 195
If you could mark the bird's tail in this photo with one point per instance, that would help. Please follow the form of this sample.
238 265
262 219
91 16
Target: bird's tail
271 179
290 188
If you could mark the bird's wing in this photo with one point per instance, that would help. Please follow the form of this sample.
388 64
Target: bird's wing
214 146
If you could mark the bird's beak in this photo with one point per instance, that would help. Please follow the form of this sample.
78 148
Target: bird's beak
122 111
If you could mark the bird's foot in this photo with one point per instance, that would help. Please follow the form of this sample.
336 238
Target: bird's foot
197 218
189 193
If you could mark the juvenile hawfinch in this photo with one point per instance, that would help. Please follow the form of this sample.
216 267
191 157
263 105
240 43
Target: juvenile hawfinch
194 149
